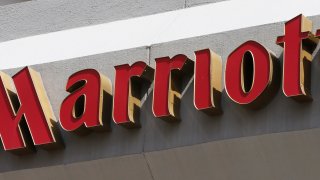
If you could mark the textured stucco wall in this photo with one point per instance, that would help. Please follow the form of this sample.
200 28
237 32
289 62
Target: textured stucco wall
39 17
43 16
6 2
279 156
190 3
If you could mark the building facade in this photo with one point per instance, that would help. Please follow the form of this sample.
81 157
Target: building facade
278 141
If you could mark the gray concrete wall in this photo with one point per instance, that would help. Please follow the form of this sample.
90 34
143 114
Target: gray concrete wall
43 16
6 2
279 156
190 3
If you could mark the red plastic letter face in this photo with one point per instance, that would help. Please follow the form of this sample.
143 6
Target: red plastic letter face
126 101
87 105
167 88
318 33
249 74
25 107
207 81
299 44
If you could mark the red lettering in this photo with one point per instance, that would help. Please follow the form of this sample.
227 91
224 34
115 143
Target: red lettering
207 81
167 88
85 107
318 33
299 44
126 101
25 104
249 74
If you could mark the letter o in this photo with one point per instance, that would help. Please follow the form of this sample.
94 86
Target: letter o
263 74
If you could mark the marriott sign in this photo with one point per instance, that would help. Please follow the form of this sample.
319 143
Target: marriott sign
252 74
